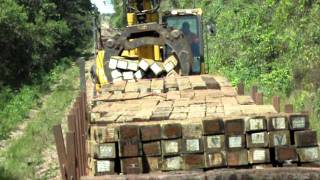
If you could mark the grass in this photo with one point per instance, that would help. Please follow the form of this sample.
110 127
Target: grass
17 108
24 155
15 105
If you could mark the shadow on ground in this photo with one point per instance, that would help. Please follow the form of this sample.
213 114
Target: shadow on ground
5 176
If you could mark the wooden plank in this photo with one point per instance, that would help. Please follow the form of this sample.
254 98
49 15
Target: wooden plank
139 74
213 126
244 100
237 158
259 98
173 95
183 83
278 123
132 166
279 138
104 167
170 63
144 86
236 141
119 87
62 156
197 83
105 151
178 116
214 143
133 65
129 132
305 138
145 64
223 81
71 155
102 134
234 126
157 68
257 123
309 154
229 101
259 156
116 74
131 87
129 148
171 131
192 145
258 140
150 132
215 159
171 147
286 153
170 84
172 163
157 85
152 164
240 89
232 110
299 122
152 148
159 115
193 161
254 91
143 115
192 130
122 64
229 91
113 63
83 122
77 136
210 82
276 103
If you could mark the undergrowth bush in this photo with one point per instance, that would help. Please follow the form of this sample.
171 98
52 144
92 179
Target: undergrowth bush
16 105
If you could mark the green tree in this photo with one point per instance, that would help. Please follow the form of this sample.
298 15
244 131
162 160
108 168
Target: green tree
35 35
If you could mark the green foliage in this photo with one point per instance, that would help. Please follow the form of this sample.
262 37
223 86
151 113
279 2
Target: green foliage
317 104
278 81
23 157
265 42
16 105
35 35
16 110
117 19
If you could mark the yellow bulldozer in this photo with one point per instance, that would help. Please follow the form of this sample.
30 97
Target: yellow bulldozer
176 34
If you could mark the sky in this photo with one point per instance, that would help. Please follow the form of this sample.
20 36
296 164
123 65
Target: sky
104 6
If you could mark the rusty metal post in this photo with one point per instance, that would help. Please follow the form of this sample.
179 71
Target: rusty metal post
254 91
58 136
70 137
259 98
276 103
240 88
288 108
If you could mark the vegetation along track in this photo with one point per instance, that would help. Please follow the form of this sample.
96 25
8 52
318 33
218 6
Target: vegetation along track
32 156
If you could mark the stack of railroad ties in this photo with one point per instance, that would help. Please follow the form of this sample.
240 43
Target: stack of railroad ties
192 123
124 69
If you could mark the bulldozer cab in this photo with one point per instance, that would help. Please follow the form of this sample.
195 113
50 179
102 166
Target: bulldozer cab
189 21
